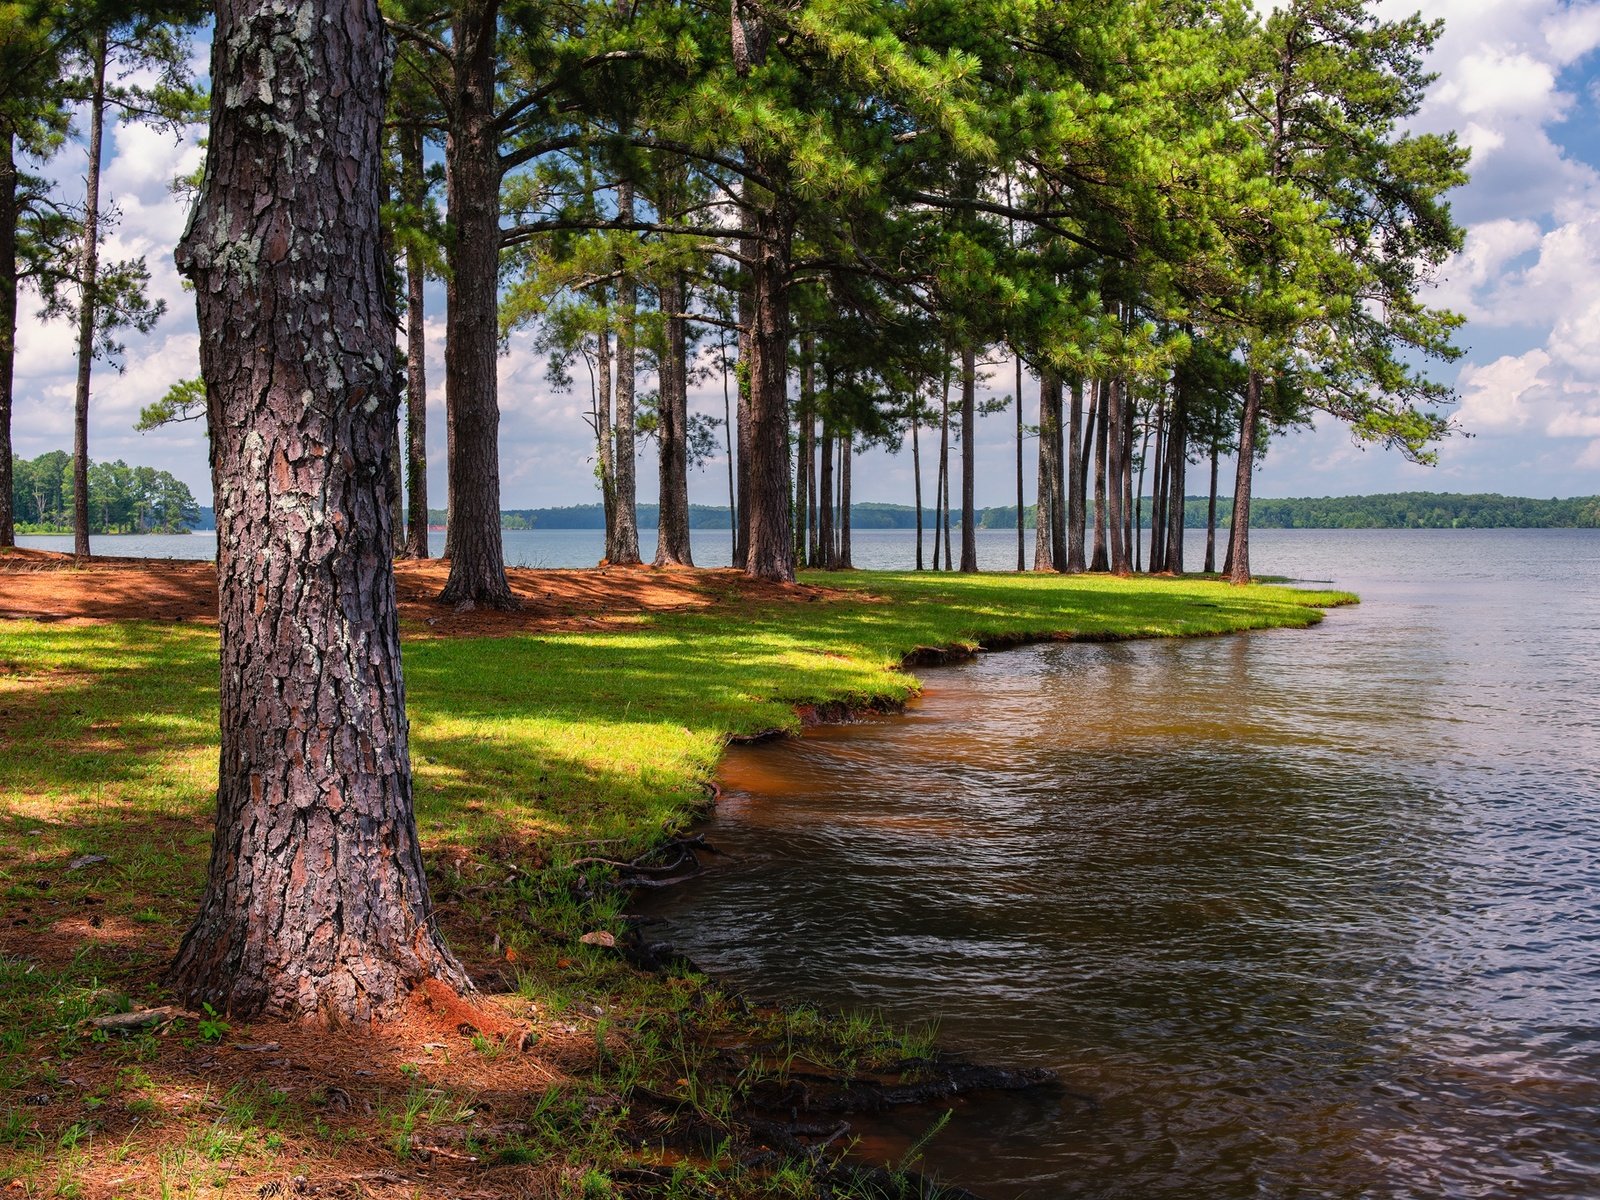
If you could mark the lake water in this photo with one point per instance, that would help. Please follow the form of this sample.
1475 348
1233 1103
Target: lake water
1294 914
873 549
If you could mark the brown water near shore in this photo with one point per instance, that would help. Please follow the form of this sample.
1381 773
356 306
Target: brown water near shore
1294 914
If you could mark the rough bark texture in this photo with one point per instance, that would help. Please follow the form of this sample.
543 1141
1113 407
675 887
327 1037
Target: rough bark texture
88 303
769 552
1044 555
625 545
846 450
825 508
1022 537
1101 558
743 420
472 329
804 532
1074 472
672 431
1238 568
1116 467
316 904
969 450
916 483
604 434
1211 515
416 356
8 326
1177 479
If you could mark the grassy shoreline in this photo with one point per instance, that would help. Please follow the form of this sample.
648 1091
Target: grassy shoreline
531 752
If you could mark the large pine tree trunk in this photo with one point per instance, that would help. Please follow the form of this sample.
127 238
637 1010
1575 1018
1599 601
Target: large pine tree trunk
625 549
316 904
769 552
672 431
8 326
1239 536
1074 471
88 303
472 324
416 354
969 451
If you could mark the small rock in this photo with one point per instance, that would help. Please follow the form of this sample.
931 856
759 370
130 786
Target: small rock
599 937
86 860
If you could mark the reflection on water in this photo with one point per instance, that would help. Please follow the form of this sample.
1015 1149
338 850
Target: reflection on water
1296 913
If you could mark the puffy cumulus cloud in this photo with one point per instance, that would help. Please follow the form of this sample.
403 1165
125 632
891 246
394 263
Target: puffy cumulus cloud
1496 395
1496 85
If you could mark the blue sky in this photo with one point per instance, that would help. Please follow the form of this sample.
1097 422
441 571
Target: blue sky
1518 79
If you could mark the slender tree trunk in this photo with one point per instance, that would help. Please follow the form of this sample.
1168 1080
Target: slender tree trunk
825 508
944 467
846 451
9 209
1044 505
1058 480
316 904
1116 466
472 324
1101 560
969 454
605 434
416 353
745 378
449 469
916 481
88 304
1129 440
397 489
1158 494
626 551
804 448
1239 537
1022 540
1211 515
727 440
1136 509
672 430
1074 472
812 511
1178 462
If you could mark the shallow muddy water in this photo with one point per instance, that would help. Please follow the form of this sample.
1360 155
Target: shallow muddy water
1309 913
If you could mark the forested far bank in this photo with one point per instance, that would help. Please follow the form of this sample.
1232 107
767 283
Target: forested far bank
122 499
1399 510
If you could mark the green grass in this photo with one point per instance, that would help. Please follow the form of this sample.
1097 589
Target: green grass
528 751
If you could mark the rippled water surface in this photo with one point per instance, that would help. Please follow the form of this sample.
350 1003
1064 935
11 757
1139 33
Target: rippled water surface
1309 913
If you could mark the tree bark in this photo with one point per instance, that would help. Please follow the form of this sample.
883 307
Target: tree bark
625 549
1177 471
944 472
846 453
825 510
916 480
472 325
1044 520
969 451
1211 516
745 376
1022 539
1101 559
672 430
1239 535
604 433
804 449
416 355
770 549
316 904
88 303
9 212
1116 464
1074 472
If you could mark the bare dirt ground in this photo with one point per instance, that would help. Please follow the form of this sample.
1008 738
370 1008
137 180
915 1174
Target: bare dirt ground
46 586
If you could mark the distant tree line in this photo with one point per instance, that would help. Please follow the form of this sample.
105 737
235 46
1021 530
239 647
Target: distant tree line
122 499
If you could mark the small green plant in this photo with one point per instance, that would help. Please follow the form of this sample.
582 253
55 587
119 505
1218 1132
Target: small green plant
212 1026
